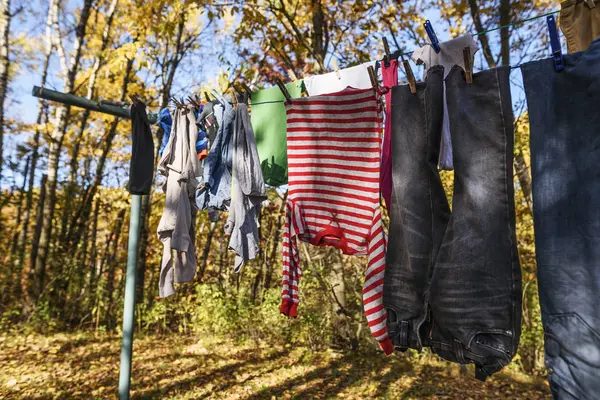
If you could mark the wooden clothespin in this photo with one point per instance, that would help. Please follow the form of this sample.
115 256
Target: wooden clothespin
335 68
207 97
386 48
246 88
283 89
468 64
373 77
590 3
177 103
292 75
412 82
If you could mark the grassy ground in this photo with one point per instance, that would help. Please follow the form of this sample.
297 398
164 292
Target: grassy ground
85 366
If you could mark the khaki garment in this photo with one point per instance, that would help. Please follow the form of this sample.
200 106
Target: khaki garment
579 23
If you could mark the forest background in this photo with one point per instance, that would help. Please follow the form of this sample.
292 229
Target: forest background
65 209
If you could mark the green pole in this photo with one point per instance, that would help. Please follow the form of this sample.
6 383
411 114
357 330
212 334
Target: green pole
129 303
82 102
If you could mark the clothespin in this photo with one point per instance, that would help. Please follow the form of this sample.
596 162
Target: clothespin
207 97
373 77
193 102
386 48
435 43
284 91
335 68
412 82
292 75
590 3
177 103
555 44
246 88
468 64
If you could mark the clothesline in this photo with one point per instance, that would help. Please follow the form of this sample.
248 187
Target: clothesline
475 34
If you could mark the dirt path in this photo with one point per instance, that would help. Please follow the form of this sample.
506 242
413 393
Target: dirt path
84 366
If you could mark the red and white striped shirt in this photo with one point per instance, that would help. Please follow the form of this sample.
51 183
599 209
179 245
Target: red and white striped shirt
334 154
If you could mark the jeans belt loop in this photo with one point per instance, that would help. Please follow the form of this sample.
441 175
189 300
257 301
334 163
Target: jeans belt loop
404 334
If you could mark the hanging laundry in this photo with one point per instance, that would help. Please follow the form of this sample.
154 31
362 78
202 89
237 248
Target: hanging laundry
207 121
451 53
389 74
176 229
269 125
201 140
165 121
141 168
565 126
454 275
580 23
355 77
334 156
214 194
248 191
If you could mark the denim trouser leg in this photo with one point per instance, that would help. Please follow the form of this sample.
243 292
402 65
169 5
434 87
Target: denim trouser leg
419 211
564 111
475 290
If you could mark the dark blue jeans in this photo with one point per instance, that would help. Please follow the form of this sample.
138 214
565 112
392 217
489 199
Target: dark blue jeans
453 280
564 113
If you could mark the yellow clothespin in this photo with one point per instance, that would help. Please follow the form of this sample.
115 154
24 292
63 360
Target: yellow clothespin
412 82
335 68
468 64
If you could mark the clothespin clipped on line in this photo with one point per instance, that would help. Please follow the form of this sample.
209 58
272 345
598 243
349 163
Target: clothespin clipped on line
468 64
206 97
435 43
387 57
292 75
283 89
335 68
590 3
373 77
555 43
412 82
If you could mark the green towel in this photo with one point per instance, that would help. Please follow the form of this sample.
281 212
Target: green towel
269 125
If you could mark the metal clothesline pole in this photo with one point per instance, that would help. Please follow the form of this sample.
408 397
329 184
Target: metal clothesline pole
134 234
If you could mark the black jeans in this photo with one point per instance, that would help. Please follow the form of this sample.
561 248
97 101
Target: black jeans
453 279
564 111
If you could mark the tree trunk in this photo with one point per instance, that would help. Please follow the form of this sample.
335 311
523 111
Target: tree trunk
41 117
483 39
15 280
38 273
93 254
505 32
74 164
206 251
342 332
56 140
5 19
112 266
318 20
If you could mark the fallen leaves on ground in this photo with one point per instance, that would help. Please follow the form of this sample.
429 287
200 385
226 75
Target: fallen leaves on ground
85 366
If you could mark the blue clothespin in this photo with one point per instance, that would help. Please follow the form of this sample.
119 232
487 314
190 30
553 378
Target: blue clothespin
435 43
555 43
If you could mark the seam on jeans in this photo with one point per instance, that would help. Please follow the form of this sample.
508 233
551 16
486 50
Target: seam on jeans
507 210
